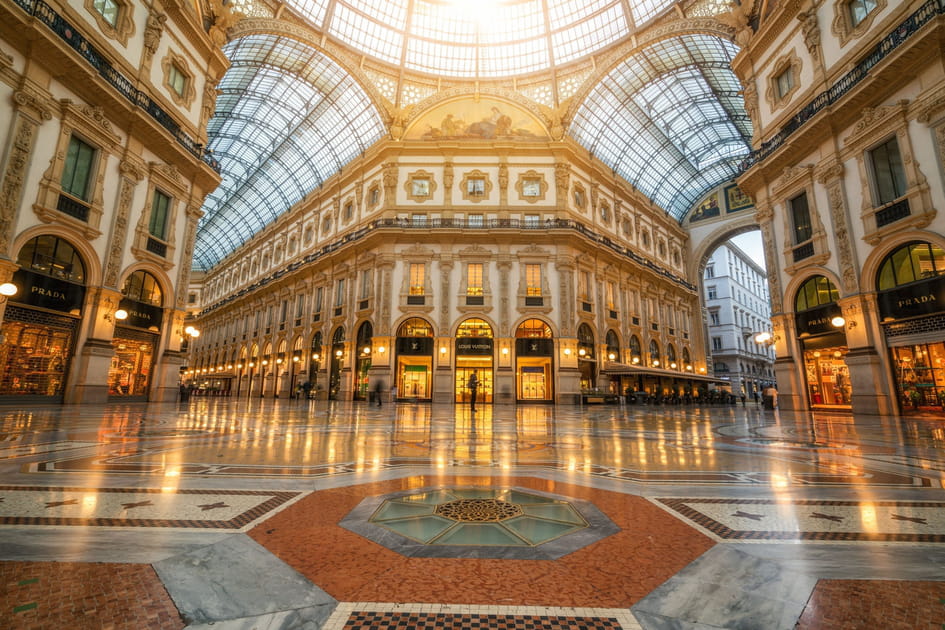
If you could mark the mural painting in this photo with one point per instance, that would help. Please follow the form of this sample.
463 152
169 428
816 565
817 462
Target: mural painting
708 209
485 119
736 200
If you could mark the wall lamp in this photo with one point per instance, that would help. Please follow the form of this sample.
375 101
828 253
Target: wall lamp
567 352
338 353
840 321
192 332
766 338
7 290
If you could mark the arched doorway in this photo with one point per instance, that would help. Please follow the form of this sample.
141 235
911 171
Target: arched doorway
136 337
534 356
910 288
317 355
363 362
475 350
414 356
587 357
41 321
337 361
823 343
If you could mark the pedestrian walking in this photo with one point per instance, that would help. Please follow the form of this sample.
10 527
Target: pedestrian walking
378 388
473 385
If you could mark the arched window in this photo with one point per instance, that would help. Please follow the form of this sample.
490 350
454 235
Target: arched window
636 350
585 342
365 336
52 256
910 263
686 358
474 328
654 353
338 336
141 286
533 328
671 356
816 291
613 345
415 327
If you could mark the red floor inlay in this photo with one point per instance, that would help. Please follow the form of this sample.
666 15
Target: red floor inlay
43 595
614 572
886 604
445 621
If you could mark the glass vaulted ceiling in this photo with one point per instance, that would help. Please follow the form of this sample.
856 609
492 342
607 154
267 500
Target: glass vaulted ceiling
670 120
287 118
478 38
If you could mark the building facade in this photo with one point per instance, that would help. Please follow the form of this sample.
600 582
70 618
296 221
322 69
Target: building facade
523 262
738 311
848 182
103 177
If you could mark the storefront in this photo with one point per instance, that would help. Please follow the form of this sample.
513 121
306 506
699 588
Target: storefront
414 353
136 338
363 361
336 362
587 358
40 326
534 353
823 344
911 301
475 350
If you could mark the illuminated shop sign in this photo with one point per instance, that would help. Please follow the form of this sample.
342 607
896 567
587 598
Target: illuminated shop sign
47 292
534 347
141 315
414 346
474 345
816 321
922 298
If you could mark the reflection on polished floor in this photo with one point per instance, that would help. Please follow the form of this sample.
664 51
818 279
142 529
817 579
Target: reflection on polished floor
256 514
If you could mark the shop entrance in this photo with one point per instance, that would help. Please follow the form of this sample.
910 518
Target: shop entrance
483 373
414 378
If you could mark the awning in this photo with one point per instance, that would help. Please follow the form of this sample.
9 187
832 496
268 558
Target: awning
612 368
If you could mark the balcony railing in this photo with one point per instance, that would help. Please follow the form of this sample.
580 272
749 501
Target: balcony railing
893 212
67 33
73 207
804 251
156 247
847 82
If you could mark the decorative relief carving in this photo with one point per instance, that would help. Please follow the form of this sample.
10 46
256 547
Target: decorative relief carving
562 181
931 108
210 94
792 174
119 231
30 100
12 187
446 267
771 264
153 29
811 30
873 118
738 18
842 236
390 184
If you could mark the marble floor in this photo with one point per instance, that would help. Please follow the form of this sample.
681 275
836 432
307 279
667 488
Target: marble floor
239 514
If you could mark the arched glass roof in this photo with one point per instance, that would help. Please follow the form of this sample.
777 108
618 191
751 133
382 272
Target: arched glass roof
287 118
669 120
478 38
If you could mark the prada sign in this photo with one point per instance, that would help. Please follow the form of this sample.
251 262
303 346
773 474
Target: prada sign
141 315
534 347
816 321
418 346
474 345
47 292
922 298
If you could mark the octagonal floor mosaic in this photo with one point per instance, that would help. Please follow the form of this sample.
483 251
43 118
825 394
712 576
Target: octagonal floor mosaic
479 522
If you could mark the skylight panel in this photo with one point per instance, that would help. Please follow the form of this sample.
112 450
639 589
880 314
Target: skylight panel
528 56
367 35
438 22
314 10
564 12
430 56
589 36
390 12
511 23
645 10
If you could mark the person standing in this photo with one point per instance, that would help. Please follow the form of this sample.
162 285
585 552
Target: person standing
378 388
473 385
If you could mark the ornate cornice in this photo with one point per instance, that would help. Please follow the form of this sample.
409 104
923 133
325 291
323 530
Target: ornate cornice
873 118
32 100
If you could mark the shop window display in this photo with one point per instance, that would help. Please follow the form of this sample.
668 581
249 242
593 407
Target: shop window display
920 377
828 377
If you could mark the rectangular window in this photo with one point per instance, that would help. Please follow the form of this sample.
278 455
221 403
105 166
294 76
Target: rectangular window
299 305
160 206
531 187
284 311
476 187
714 318
108 10
611 296
533 280
417 278
890 178
365 284
584 284
177 80
77 171
800 215
319 293
716 343
859 9
710 272
712 293
474 279
340 292
785 82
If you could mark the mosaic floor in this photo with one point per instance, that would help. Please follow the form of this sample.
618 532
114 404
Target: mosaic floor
268 514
